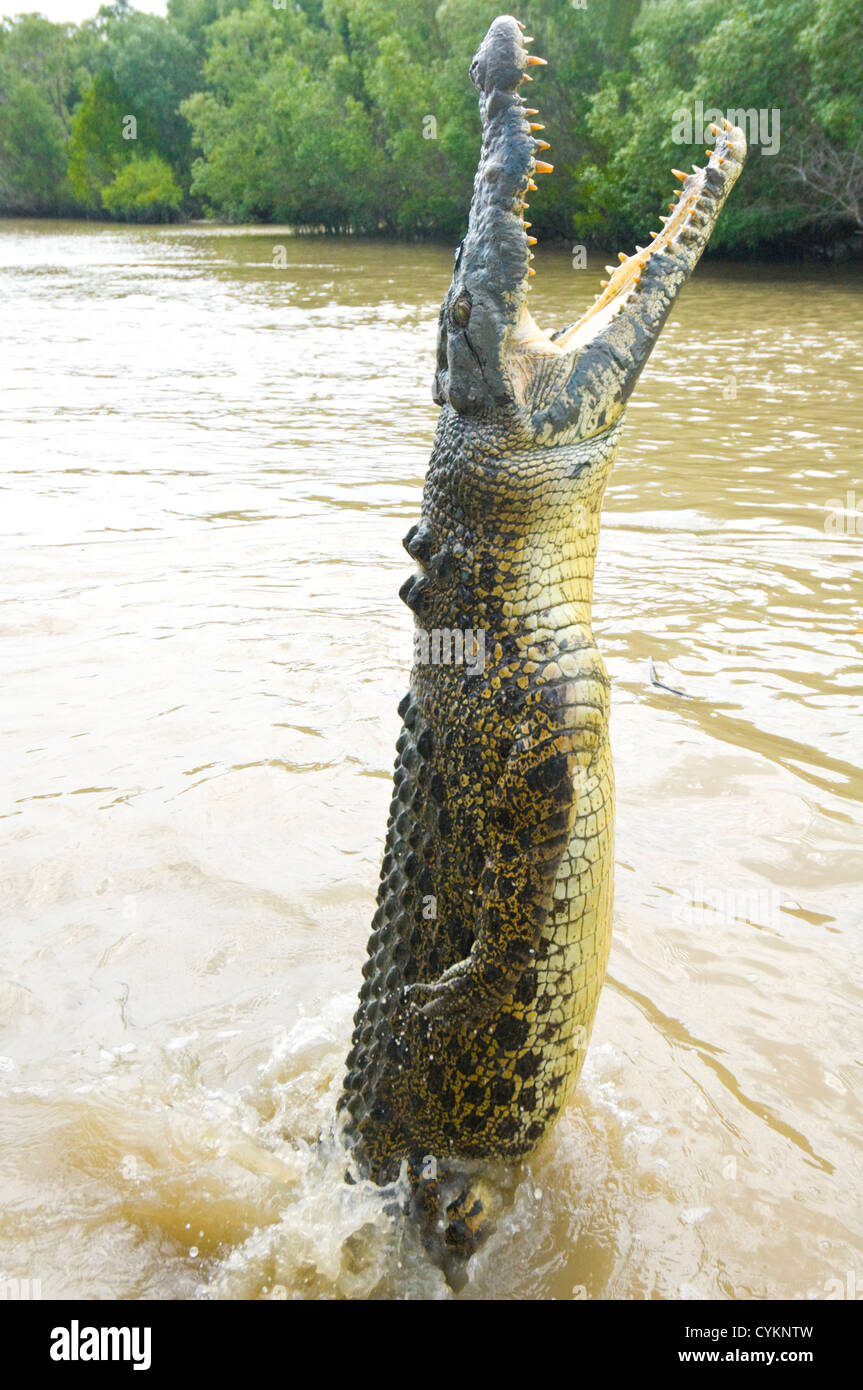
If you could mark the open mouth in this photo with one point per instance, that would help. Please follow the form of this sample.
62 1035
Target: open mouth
491 351
684 233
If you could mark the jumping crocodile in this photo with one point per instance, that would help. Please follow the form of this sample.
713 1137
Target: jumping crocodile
492 931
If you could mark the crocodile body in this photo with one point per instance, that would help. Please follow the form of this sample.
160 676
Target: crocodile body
493 924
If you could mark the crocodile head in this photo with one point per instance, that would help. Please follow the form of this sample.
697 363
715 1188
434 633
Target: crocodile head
494 363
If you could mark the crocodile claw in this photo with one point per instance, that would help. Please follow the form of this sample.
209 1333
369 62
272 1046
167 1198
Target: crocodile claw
454 998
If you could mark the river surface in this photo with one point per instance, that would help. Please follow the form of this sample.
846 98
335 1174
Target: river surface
211 451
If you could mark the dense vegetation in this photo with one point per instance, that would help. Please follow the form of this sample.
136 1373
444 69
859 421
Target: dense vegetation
358 114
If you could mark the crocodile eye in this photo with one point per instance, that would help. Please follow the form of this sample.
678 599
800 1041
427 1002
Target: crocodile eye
460 312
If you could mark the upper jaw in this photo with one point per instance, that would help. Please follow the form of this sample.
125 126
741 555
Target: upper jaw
493 261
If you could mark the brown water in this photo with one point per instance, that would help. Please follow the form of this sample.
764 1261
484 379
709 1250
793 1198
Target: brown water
209 466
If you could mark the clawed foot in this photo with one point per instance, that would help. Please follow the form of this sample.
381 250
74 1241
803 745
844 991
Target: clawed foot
456 998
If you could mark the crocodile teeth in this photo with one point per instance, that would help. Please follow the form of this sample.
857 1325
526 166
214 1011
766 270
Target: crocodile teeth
542 167
535 62
679 174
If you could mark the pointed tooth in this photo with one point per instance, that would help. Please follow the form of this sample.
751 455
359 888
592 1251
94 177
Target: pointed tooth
542 144
531 241
527 224
679 174
535 62
531 111
654 235
611 269
535 125
696 168
530 270
528 38
639 248
604 284
532 186
662 219
542 167
622 256
715 129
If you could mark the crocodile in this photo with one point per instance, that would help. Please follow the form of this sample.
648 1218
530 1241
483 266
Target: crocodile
492 931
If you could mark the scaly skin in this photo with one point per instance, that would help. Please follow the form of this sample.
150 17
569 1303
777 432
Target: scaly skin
492 932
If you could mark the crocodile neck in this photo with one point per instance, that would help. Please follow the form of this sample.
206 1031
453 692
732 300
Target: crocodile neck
508 541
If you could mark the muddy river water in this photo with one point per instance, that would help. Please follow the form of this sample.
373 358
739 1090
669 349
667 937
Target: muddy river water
211 451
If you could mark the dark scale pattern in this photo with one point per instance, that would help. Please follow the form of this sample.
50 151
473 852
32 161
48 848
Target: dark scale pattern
490 940
503 778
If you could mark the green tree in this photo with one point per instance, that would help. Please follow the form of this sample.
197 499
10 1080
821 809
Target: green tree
359 114
96 145
37 87
154 68
144 190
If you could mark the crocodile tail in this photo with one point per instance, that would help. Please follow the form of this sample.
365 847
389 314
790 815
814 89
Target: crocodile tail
456 1213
